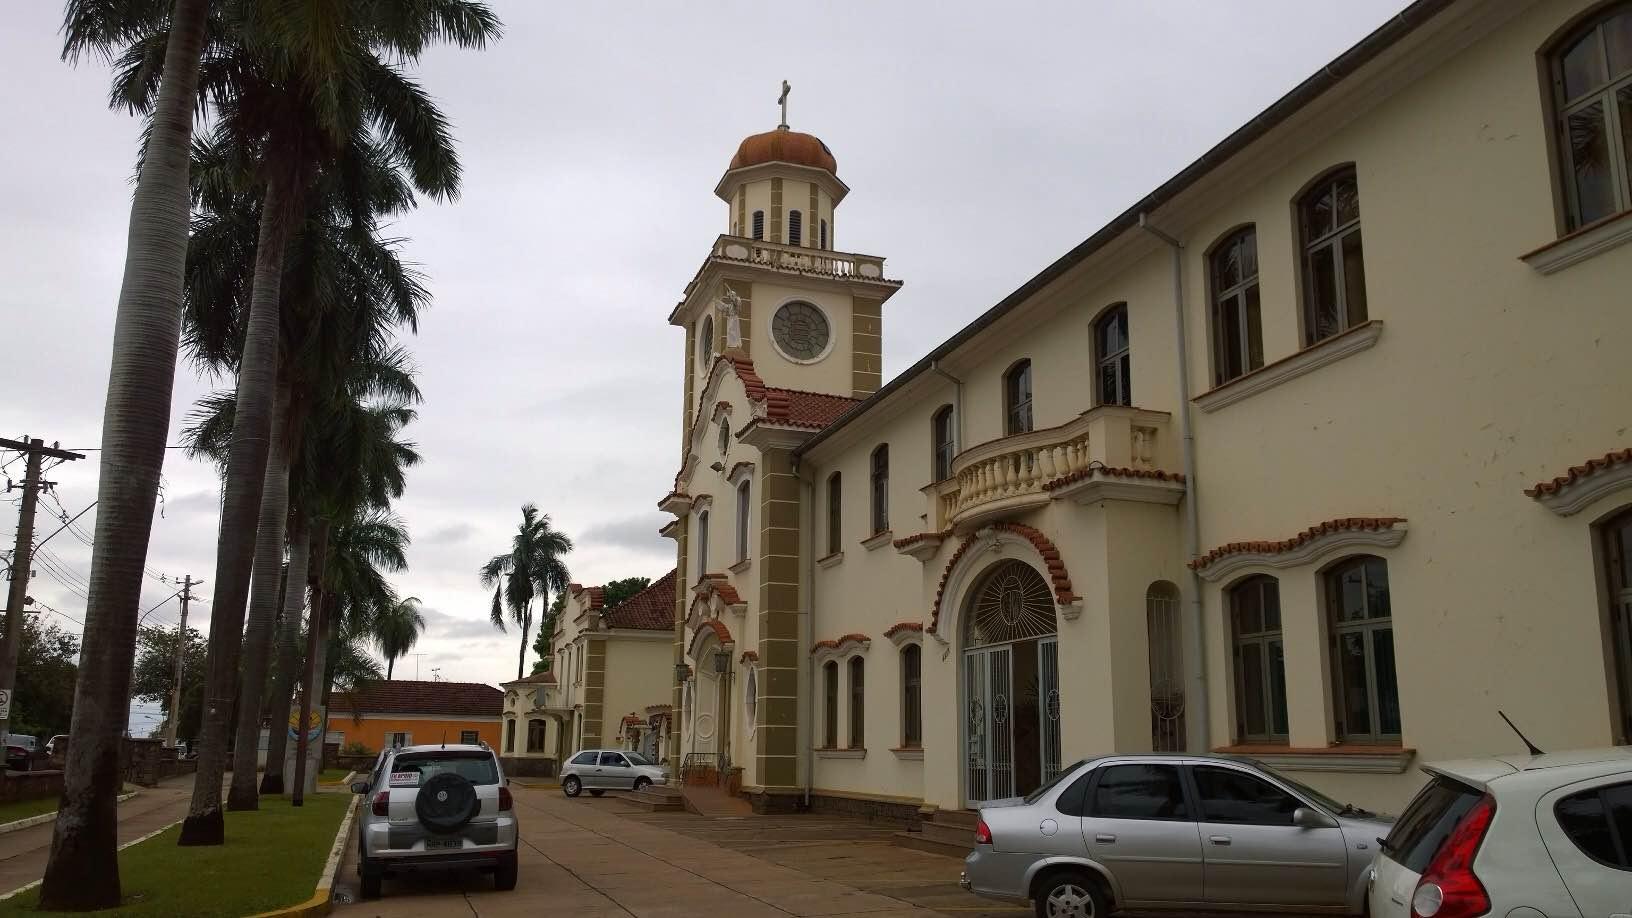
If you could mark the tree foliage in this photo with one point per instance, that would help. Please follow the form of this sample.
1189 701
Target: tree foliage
47 667
155 675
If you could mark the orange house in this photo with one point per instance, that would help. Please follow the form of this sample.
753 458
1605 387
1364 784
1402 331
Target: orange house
400 712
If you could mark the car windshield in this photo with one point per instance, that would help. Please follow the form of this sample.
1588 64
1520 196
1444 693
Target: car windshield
636 758
1305 789
1065 772
473 767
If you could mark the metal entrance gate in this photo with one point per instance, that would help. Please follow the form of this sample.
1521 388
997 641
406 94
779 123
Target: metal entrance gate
990 769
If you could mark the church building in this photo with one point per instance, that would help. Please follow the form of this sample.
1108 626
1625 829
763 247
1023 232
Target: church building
1320 452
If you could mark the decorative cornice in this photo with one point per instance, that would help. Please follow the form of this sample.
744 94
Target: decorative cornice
749 656
909 753
830 560
903 633
826 753
1067 602
842 646
1584 243
1581 485
1308 546
676 503
922 545
737 470
717 584
877 540
1357 339
1101 482
671 530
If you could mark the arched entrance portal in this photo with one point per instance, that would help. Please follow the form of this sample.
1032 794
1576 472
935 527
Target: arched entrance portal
1011 679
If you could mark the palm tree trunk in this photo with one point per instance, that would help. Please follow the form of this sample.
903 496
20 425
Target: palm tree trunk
264 599
235 545
289 656
83 873
526 624
390 665
314 662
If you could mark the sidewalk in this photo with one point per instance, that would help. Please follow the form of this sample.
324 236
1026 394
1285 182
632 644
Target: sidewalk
23 854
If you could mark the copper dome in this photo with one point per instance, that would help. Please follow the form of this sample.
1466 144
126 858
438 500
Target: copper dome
785 146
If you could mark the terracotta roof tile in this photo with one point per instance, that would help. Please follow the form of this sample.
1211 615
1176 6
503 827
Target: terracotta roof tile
719 629
720 585
1578 472
839 642
652 609
1112 472
750 656
917 537
899 627
402 696
1057 575
1343 524
797 408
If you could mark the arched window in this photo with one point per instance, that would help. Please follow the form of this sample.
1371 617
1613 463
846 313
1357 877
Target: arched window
743 507
510 734
830 705
535 735
1592 95
1017 398
858 703
796 228
943 442
1238 341
1359 609
1260 660
881 488
1166 667
1334 274
1111 357
912 697
824 234
1617 536
759 224
835 493
705 343
702 543
750 700
725 438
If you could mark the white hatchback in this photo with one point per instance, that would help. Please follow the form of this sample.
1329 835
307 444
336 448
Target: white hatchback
1541 836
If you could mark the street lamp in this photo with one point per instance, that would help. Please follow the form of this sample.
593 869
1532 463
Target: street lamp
682 672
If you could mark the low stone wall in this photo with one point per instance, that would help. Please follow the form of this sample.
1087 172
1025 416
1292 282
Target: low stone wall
903 813
516 766
29 785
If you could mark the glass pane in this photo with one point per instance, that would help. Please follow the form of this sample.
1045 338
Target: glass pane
1351 595
1124 391
1354 281
1618 798
1347 195
1583 66
1618 36
1377 588
1431 816
1317 213
1277 689
1108 392
1623 102
1620 535
1249 255
1321 270
1388 693
1226 266
1249 616
1231 796
1255 340
1583 819
1351 664
1589 164
1272 605
1252 690
1229 339
1139 792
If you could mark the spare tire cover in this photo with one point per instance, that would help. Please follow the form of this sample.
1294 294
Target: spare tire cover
446 802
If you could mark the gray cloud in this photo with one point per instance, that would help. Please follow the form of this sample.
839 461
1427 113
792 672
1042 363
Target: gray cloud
449 534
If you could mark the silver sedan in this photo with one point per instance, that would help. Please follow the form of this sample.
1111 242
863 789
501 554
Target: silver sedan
601 770
1173 832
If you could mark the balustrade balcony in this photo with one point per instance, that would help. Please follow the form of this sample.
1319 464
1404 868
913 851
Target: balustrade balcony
800 260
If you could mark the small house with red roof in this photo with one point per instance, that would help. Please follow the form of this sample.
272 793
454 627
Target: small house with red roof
402 712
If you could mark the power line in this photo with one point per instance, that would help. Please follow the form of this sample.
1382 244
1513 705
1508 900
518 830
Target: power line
55 612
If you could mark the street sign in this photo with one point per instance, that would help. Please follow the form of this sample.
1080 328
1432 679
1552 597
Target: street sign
5 704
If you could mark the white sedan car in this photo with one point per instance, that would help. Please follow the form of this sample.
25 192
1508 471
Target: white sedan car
1537 836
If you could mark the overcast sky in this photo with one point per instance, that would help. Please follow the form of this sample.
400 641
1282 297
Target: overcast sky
980 143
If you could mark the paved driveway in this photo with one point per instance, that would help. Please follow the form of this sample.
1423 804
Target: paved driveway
23 853
590 858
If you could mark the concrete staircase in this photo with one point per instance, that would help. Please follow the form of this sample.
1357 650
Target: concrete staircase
712 801
948 832
658 798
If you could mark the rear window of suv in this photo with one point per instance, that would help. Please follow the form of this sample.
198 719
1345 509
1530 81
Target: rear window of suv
1432 815
477 768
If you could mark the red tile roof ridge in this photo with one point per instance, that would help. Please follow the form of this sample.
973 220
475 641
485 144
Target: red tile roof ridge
1113 471
917 537
651 609
899 627
1577 472
1279 546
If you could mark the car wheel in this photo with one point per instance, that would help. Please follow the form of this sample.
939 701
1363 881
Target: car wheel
596 793
642 783
372 877
504 875
571 786
1070 894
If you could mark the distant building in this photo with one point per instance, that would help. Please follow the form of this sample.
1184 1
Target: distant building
399 712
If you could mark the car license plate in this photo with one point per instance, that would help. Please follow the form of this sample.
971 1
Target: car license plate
432 844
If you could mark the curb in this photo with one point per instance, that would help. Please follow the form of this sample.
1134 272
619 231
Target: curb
321 902
343 782
30 822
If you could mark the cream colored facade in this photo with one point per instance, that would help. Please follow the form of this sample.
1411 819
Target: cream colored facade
614 669
1491 356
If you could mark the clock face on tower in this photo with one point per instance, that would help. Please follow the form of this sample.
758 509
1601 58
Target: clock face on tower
801 331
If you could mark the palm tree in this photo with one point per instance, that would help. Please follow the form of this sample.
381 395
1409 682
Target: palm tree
82 872
533 567
398 630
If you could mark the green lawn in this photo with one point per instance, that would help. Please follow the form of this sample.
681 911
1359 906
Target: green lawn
272 859
332 775
22 809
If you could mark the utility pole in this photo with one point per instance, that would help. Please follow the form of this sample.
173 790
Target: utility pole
187 585
21 559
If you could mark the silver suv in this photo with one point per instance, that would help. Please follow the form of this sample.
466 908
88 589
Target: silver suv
601 770
1543 834
436 807
1173 832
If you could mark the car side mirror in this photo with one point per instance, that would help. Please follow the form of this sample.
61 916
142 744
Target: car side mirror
1309 818
359 787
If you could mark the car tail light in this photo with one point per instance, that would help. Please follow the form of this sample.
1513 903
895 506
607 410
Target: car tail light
505 800
983 833
1449 888
382 803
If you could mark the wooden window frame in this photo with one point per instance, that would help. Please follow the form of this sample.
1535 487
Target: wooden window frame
943 442
1264 639
1017 404
744 508
1329 243
857 672
835 513
1235 298
1560 108
1122 359
830 705
912 697
1336 629
879 495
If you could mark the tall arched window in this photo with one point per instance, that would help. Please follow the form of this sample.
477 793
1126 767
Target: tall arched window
1334 274
912 697
796 228
1617 536
830 705
744 505
725 437
1359 608
1115 382
759 224
835 494
1017 398
705 342
881 488
750 700
702 543
1238 340
858 703
1166 667
1592 95
1260 660
943 442
824 234
510 734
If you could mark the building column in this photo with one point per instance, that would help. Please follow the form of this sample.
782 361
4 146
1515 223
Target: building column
677 692
776 738
594 691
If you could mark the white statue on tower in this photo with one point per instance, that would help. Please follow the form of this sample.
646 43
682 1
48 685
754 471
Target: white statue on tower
730 304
